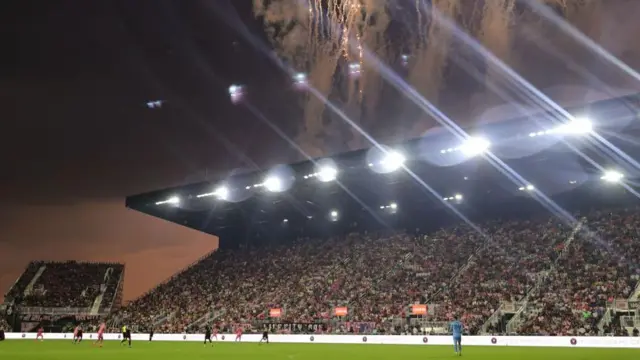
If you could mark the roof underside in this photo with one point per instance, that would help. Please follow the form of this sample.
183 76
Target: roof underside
564 168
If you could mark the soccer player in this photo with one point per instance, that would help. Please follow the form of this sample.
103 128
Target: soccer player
239 334
77 334
207 335
100 340
40 334
265 337
456 329
126 335
215 333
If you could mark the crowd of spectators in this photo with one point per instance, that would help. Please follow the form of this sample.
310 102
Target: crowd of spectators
564 273
458 271
599 266
68 284
4 325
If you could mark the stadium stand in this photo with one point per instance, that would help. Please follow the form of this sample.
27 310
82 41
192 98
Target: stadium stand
67 288
513 273
557 278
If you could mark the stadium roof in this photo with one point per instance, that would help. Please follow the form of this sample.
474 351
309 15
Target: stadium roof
502 169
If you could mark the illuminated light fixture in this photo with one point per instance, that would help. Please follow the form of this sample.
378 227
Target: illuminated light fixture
174 200
156 104
475 146
273 184
333 215
577 126
528 188
572 182
456 197
300 79
393 206
354 69
236 93
405 59
327 173
392 161
612 176
221 193
235 90
285 221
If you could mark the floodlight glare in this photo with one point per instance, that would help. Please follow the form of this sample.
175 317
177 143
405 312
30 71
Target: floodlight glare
327 173
577 126
334 213
457 197
612 176
273 184
174 200
392 161
475 146
222 193
393 206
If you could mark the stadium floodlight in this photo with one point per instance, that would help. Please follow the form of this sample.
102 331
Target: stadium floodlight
222 193
577 126
527 188
327 173
612 176
475 146
156 104
174 200
333 214
393 206
300 79
392 161
458 197
354 69
273 184
285 221
236 92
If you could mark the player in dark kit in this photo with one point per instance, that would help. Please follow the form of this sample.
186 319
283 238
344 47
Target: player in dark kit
207 335
126 335
265 337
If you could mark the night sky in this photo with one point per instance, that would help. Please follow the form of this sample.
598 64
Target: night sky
76 136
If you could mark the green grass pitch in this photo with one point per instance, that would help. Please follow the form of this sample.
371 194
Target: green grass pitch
65 350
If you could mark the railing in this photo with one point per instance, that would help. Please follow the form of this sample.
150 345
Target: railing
606 320
33 310
492 319
115 293
629 321
162 319
462 269
635 295
515 321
